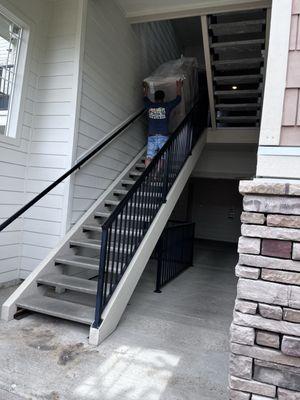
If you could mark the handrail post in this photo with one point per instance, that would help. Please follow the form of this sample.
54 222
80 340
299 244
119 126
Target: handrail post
101 275
192 244
159 264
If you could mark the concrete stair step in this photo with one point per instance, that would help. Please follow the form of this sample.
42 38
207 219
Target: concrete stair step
237 106
236 43
238 93
238 79
97 228
135 173
111 202
238 27
93 244
84 262
101 214
140 166
127 182
88 244
238 64
58 308
92 228
79 262
120 192
69 282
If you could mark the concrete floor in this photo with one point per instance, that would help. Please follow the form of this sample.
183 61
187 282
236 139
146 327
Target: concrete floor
168 346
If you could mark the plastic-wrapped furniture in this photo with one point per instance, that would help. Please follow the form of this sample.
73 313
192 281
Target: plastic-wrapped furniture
165 77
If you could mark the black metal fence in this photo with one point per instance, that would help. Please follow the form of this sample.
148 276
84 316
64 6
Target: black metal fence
126 227
174 252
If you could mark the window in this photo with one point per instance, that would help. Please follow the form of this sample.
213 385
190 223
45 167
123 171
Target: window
10 40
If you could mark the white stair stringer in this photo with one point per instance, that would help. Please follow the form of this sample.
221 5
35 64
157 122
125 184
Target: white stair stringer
121 296
32 287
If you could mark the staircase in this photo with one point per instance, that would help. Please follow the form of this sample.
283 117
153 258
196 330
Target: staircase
90 277
69 288
237 43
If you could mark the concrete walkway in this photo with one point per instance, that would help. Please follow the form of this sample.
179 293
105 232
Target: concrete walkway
168 346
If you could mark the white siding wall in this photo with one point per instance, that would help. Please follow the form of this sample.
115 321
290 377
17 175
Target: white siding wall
13 157
116 59
158 43
50 152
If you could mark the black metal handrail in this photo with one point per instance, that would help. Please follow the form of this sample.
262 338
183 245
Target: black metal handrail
127 225
75 167
174 252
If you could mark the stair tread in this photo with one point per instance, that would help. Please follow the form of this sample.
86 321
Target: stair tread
83 262
242 61
120 191
238 23
140 165
238 43
94 244
99 214
91 243
237 79
136 173
112 202
227 106
79 261
58 308
238 118
127 181
102 214
69 282
96 228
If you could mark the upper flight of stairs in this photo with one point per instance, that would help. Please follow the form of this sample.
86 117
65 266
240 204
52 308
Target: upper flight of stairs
237 42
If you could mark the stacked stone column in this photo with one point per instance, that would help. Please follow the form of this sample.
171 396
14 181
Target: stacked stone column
265 333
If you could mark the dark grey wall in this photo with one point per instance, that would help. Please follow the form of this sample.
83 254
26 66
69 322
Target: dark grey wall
215 205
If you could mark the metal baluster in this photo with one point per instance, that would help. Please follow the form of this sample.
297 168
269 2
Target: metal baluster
113 275
120 239
109 270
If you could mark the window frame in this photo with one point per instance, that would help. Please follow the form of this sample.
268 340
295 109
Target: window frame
17 104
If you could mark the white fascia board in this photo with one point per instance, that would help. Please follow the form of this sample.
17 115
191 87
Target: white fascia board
192 10
233 135
278 166
278 151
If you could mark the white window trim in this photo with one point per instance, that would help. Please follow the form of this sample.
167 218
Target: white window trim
22 73
276 72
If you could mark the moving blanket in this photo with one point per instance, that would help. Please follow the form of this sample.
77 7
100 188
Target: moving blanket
165 77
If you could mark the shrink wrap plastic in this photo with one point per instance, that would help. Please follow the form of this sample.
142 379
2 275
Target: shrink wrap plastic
165 77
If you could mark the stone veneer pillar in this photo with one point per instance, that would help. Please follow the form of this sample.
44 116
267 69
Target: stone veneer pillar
265 332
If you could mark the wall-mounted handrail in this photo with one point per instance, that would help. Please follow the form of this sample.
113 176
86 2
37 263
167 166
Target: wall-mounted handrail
125 228
90 154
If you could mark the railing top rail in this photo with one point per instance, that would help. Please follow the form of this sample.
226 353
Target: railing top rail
116 132
146 172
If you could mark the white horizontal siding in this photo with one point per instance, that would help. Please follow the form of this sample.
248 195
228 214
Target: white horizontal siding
158 43
51 141
113 68
13 158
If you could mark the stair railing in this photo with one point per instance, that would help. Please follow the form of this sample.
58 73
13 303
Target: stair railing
174 252
125 228
82 161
